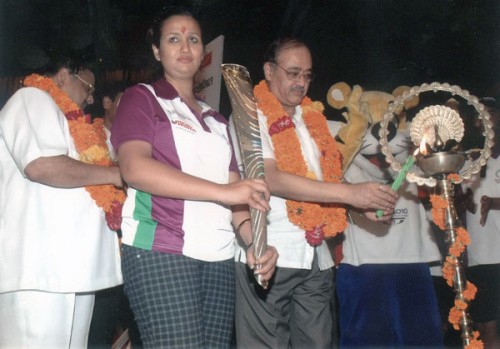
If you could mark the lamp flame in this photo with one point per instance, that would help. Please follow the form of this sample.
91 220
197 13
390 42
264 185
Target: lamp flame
422 149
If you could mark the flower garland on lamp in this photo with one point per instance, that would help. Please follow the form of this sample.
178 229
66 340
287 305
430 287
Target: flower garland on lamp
318 220
439 205
90 142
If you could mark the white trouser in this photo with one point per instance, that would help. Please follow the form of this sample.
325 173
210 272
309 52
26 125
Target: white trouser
43 320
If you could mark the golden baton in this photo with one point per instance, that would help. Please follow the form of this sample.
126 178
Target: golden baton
240 89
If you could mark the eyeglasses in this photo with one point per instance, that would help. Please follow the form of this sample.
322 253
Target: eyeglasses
91 88
295 75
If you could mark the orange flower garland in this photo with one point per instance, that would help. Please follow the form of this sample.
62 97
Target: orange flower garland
456 313
90 142
470 291
454 178
449 269
439 205
318 220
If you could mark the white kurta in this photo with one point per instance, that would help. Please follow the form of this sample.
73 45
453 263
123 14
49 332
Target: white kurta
293 248
51 239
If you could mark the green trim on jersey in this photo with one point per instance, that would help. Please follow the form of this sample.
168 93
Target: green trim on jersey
145 234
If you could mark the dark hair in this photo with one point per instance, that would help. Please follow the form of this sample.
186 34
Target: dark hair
274 49
153 35
75 63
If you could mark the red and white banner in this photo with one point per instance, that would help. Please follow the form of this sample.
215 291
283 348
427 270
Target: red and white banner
207 82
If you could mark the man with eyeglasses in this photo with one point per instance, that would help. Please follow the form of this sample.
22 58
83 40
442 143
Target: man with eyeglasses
56 249
90 86
303 171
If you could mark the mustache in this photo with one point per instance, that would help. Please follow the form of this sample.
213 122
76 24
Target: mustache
298 89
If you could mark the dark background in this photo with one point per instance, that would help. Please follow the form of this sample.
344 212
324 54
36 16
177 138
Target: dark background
379 44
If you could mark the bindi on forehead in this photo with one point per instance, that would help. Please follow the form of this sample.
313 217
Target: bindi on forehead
183 30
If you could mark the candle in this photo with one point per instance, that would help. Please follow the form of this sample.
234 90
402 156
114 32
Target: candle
400 178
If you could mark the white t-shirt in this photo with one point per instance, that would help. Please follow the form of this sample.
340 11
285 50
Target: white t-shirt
408 238
287 238
485 241
51 239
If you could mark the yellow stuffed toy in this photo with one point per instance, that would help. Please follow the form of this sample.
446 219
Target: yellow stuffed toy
364 109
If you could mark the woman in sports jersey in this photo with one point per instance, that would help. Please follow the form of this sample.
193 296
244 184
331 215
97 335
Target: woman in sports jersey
184 198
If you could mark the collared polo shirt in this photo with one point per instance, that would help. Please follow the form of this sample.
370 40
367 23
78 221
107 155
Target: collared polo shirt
198 145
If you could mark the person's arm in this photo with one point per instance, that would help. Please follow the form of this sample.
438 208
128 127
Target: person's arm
495 203
64 172
142 172
487 204
35 133
366 196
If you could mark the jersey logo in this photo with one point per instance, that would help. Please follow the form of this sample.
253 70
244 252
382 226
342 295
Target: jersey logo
400 215
183 125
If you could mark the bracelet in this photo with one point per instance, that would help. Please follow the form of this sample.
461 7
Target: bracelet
241 224
248 246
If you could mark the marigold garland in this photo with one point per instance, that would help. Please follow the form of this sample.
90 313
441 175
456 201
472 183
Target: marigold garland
454 178
318 220
439 205
457 311
90 142
470 291
449 265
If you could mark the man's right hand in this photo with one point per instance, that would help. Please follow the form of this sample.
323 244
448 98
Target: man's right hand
372 196
265 265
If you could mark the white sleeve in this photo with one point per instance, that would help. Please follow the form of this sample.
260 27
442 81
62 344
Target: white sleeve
33 126
236 146
267 144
